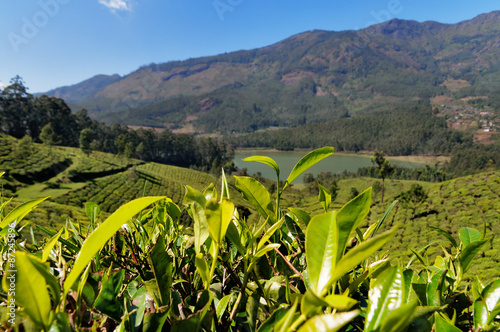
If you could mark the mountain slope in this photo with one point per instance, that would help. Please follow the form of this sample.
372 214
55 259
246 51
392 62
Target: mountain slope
310 77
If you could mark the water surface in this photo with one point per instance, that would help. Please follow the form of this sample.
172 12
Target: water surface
336 163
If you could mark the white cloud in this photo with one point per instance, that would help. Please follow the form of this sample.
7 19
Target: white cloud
116 5
2 85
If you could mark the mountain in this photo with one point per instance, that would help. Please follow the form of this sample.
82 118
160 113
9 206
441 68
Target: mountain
84 90
312 77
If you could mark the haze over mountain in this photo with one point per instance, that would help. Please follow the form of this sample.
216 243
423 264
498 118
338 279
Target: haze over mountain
311 77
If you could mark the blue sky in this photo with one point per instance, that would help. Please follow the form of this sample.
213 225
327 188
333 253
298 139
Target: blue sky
52 43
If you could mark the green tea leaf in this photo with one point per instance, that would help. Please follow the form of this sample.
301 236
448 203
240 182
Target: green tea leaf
386 295
267 161
161 264
469 252
321 250
261 252
31 289
221 306
441 325
96 240
324 197
350 216
399 319
256 194
360 253
225 187
203 270
307 161
92 210
20 212
446 234
284 323
50 244
219 216
381 220
301 218
193 196
108 302
468 235
328 322
480 314
340 302
435 288
267 235
491 297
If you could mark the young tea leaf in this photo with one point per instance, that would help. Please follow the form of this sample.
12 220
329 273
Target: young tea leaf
307 161
96 240
468 235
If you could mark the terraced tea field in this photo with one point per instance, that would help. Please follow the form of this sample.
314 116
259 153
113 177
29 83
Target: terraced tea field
72 178
472 201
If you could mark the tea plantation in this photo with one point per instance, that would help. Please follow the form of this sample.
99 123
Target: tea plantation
72 178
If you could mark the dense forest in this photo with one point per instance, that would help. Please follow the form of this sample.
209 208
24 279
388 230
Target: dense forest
49 120
404 129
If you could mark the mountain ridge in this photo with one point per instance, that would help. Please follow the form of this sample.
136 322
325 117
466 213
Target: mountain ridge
305 73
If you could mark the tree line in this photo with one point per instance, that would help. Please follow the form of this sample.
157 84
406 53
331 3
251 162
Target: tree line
50 120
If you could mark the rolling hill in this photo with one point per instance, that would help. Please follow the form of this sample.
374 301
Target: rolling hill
311 77
72 178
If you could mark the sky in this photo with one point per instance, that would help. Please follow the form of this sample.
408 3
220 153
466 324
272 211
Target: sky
53 43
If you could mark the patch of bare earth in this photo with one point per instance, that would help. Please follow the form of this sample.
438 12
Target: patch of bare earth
483 137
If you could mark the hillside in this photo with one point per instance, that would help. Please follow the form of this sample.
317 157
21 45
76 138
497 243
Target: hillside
471 201
72 179
309 78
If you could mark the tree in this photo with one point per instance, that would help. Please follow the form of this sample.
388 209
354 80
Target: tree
140 150
383 167
48 136
16 109
86 136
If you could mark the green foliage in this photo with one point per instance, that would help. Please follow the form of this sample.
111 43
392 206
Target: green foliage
143 268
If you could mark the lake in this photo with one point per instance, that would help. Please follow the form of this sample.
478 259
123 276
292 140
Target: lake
336 163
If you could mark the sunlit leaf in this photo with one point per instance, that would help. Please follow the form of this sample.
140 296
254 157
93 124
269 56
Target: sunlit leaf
96 240
324 197
267 161
350 216
399 319
20 212
360 253
301 217
221 306
267 235
491 297
262 251
256 194
219 216
202 267
328 322
307 161
468 235
386 295
31 289
469 252
321 250
50 244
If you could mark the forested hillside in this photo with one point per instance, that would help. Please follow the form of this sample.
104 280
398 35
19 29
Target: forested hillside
308 78
49 120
